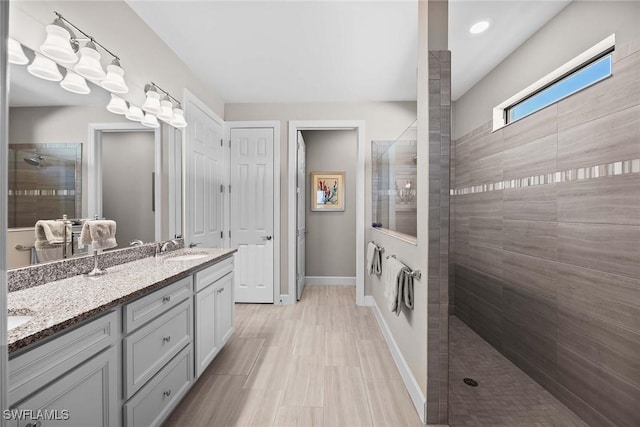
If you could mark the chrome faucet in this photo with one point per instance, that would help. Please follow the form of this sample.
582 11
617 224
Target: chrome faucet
165 246
136 243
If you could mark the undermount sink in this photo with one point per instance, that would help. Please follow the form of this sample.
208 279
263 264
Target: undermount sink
15 321
187 257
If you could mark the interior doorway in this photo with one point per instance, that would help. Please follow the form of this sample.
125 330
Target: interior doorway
355 204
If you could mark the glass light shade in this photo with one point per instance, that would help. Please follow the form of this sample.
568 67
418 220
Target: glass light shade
44 68
16 53
114 82
150 120
152 103
89 64
117 105
178 119
135 114
57 45
74 83
166 115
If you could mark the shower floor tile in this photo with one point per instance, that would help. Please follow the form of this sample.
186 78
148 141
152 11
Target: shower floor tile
505 396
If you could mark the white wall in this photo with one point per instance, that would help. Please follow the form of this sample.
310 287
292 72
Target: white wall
576 28
331 236
383 120
143 55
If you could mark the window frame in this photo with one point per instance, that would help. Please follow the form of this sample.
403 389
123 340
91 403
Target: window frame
588 57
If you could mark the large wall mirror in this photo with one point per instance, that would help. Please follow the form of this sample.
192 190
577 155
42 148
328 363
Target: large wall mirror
70 157
394 183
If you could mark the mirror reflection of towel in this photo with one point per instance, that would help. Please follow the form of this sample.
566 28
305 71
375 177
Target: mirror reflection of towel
50 233
101 234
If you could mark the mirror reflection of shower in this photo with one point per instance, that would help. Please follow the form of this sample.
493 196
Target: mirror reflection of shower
34 161
44 182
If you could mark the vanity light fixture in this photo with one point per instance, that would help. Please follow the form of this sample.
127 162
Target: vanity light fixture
117 105
114 81
61 44
150 120
152 102
166 115
89 64
178 119
135 114
44 68
170 109
16 53
74 83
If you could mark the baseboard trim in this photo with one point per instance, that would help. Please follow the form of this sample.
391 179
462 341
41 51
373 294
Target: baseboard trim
417 397
329 280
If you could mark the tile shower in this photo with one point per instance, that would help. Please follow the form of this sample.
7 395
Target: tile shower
546 243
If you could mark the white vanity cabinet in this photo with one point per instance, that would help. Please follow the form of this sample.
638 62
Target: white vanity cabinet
214 306
71 380
157 354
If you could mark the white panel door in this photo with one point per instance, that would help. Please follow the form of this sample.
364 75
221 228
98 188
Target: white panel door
204 175
301 230
252 203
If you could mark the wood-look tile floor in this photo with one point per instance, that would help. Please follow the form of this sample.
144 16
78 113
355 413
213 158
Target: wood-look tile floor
505 396
321 362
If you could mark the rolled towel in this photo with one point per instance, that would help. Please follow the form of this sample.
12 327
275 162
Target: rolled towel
53 232
101 234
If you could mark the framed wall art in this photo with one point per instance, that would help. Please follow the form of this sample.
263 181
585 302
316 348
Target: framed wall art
327 191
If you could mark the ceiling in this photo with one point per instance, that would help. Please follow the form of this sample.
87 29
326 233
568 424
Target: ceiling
316 51
332 51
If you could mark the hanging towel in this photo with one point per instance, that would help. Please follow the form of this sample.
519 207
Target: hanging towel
374 259
392 283
407 289
53 232
101 234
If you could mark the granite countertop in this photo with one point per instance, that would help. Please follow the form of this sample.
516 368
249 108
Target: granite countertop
58 305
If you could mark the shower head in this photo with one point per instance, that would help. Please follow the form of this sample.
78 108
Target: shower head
34 161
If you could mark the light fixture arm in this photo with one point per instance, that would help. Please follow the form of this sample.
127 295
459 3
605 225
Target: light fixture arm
66 21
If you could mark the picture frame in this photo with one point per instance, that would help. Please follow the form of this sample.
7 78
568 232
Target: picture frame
327 191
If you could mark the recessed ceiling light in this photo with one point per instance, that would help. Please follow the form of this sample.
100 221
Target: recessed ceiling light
480 27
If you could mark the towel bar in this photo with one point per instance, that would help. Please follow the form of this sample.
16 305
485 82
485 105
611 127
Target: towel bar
414 273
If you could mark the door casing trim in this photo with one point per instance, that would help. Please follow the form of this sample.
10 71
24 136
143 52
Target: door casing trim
301 125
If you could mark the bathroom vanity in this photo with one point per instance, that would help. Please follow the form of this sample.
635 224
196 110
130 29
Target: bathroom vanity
123 348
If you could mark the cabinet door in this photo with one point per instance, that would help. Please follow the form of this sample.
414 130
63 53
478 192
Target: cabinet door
86 396
224 310
205 345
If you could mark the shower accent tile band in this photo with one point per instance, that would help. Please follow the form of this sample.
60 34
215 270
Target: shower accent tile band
622 167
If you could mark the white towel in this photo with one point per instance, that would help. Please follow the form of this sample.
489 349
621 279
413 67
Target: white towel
392 276
371 251
101 234
53 232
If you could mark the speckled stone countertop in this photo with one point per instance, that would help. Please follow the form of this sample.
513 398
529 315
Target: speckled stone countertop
58 305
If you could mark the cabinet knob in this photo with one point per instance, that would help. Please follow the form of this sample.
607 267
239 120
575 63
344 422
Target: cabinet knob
167 393
221 290
166 339
166 298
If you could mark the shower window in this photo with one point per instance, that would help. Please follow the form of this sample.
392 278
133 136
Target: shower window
575 81
45 182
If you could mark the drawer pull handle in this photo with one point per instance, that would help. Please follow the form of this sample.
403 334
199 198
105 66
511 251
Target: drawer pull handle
166 339
36 424
221 290
167 393
166 298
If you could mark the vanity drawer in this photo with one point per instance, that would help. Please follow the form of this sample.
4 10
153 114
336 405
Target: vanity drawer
146 308
151 405
210 274
148 349
41 365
